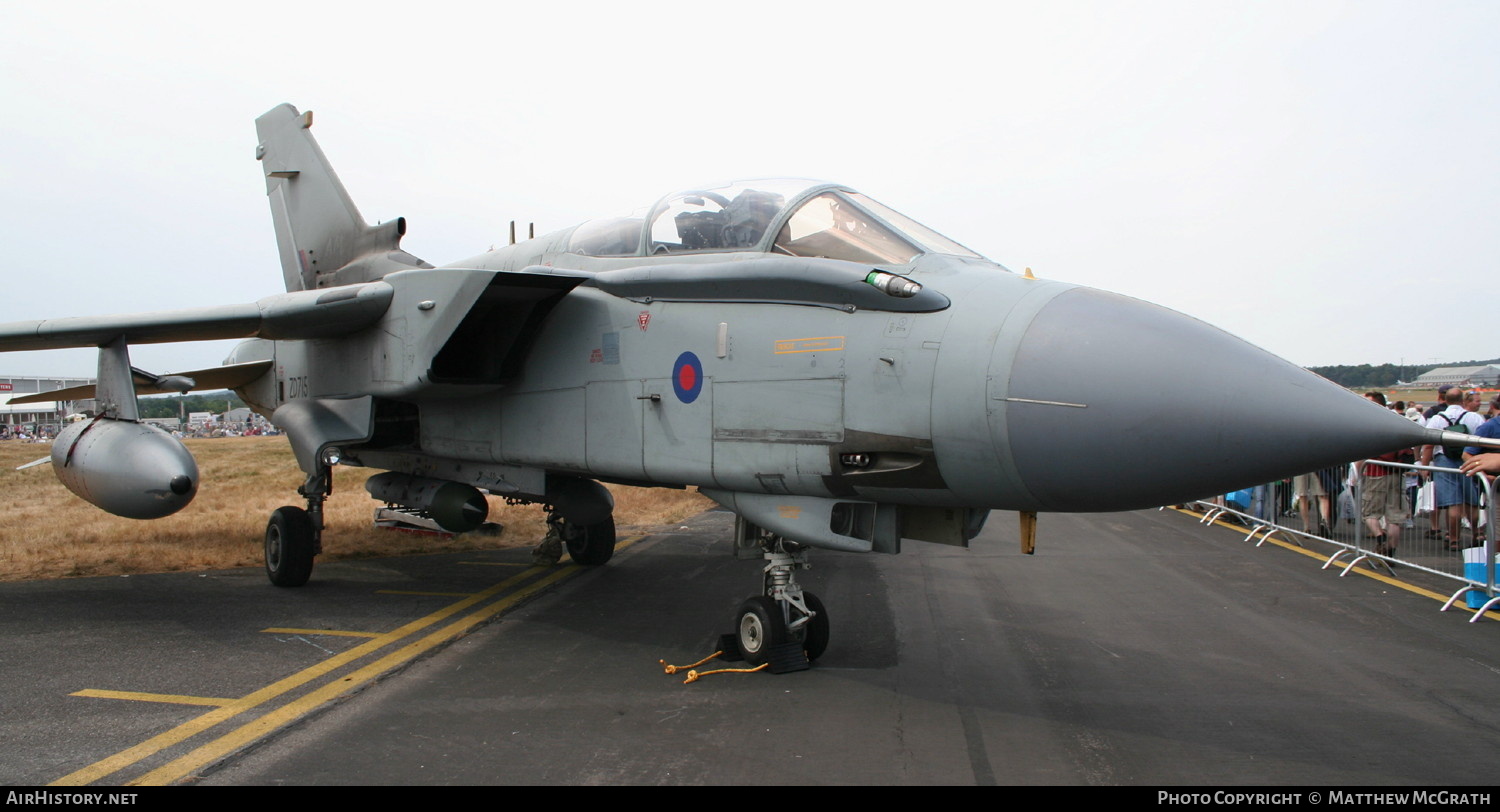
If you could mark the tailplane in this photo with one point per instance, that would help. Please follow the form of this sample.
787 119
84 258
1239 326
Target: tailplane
322 239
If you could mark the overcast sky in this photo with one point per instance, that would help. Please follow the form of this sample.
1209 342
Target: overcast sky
1319 178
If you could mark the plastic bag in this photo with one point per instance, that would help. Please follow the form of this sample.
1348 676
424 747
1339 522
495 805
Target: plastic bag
1427 498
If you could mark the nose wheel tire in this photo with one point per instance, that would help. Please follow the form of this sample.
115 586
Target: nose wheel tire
759 628
290 544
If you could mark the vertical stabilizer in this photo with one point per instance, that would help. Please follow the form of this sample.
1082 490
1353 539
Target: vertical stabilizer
322 239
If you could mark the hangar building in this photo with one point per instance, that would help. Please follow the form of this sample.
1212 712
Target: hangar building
48 413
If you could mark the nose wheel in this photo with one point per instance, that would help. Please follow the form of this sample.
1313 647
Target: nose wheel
760 628
786 626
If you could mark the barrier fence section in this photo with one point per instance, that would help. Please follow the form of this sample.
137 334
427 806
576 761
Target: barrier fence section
1326 507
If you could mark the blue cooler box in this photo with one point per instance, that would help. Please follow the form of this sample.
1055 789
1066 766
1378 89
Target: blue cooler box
1239 500
1474 571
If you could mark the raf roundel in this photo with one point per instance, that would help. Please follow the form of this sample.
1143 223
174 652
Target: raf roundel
687 377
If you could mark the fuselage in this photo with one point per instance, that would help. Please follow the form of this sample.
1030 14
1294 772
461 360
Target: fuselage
995 390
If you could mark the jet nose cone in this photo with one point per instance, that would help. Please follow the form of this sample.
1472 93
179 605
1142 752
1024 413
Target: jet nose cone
1111 403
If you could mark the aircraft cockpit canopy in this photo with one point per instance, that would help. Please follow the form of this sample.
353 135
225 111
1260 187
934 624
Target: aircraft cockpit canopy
797 218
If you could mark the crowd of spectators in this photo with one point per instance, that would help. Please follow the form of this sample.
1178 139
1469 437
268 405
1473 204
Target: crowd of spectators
27 433
227 430
1390 496
44 432
1442 506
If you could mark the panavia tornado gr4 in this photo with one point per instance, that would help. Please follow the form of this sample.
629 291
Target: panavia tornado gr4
835 373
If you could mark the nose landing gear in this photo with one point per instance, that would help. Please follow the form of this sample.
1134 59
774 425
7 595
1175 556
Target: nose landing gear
785 626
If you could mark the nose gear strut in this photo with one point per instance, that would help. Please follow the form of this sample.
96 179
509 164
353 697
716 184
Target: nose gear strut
785 626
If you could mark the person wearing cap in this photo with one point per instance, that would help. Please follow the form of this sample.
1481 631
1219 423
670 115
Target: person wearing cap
1442 402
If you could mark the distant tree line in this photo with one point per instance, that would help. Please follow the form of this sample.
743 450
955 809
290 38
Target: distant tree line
1383 375
167 405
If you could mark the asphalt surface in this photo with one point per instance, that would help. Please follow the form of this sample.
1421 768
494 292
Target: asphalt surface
1138 648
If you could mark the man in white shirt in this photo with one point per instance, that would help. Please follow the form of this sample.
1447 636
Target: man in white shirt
1457 495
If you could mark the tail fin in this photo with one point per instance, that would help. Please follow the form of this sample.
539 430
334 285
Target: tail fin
323 240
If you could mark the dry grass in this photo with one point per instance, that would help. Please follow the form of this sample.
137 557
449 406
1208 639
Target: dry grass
47 532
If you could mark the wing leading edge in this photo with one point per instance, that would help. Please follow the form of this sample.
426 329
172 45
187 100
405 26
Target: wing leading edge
297 315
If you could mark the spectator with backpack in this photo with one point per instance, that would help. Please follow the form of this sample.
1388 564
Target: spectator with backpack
1457 497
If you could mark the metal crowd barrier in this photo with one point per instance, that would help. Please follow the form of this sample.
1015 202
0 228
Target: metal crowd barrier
1273 510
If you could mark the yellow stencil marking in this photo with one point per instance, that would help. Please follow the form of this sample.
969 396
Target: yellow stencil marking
785 346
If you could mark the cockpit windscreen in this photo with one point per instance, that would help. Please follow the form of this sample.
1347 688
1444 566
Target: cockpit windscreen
827 222
830 226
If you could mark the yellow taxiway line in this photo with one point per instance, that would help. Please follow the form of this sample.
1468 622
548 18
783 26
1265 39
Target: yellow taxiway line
138 696
292 711
324 632
273 720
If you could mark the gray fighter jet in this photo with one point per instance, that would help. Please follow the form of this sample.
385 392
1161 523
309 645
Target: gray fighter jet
833 372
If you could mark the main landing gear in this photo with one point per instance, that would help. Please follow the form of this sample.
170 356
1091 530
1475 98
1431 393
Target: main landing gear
588 544
785 626
294 535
